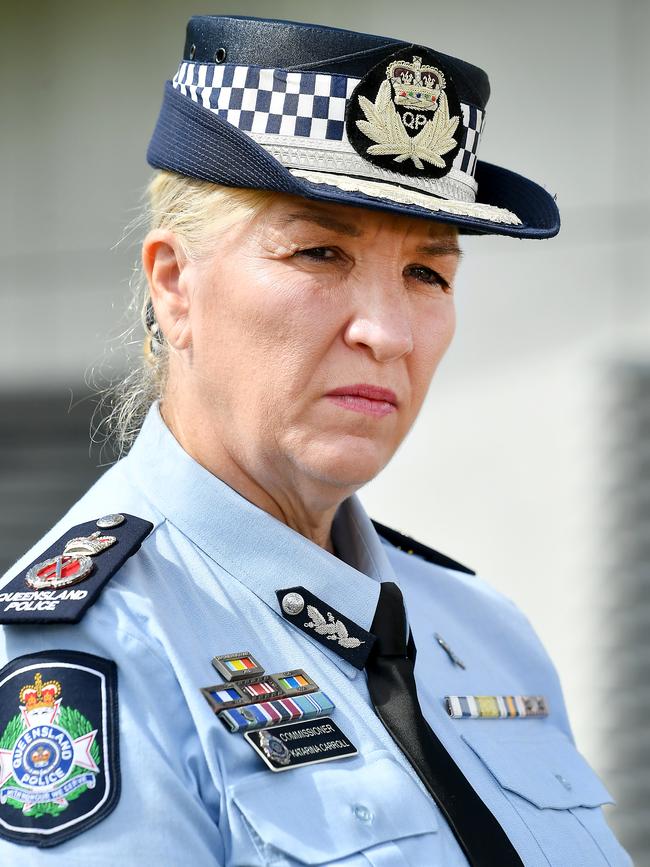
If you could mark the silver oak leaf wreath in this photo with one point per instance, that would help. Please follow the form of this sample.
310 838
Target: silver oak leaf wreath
332 628
384 126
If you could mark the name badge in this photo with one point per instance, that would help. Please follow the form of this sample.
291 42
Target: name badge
303 743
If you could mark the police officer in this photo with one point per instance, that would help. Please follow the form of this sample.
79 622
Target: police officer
216 658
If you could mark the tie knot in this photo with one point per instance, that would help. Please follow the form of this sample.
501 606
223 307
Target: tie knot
389 623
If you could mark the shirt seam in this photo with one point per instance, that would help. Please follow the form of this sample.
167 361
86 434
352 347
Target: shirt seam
357 527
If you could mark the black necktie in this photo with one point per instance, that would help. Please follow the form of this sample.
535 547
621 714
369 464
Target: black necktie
391 684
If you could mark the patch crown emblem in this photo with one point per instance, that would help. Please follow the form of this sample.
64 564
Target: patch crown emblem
38 694
416 86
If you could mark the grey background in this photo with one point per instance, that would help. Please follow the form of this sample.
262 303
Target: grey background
530 461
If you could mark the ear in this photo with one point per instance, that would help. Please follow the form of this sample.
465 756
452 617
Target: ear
164 263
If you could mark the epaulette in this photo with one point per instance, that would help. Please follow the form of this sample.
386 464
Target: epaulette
63 582
411 546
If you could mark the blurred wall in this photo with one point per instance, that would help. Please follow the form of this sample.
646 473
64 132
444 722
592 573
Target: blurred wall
506 467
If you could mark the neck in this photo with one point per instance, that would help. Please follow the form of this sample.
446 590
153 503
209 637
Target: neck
297 502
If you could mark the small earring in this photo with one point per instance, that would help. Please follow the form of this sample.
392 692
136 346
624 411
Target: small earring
154 338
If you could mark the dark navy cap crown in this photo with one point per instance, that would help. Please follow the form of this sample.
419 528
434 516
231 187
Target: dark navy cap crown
292 45
340 116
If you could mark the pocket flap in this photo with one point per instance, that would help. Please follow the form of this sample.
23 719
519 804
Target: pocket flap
327 811
543 767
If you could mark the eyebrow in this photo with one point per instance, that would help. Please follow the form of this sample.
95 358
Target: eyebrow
442 247
435 247
324 221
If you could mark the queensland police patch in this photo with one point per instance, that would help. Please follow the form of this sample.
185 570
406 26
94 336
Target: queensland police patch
59 763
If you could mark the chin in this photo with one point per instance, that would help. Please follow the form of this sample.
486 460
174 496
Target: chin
350 462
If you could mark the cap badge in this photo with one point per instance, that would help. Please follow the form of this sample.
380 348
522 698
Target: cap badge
411 122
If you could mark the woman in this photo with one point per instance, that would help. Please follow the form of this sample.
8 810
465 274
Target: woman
212 658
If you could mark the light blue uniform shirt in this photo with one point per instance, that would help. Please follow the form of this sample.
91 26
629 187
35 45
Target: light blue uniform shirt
204 583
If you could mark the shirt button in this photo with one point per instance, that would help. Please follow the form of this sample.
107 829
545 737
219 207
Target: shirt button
363 814
563 781
292 603
109 521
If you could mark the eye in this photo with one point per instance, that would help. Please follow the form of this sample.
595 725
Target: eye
428 276
319 254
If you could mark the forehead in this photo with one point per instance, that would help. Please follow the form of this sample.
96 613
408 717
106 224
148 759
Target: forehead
295 212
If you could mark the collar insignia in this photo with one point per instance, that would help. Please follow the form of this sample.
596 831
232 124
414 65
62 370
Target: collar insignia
326 625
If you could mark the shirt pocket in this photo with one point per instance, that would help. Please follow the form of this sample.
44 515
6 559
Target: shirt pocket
337 811
555 792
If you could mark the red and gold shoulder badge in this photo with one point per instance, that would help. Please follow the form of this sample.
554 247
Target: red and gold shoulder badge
405 116
68 577
59 764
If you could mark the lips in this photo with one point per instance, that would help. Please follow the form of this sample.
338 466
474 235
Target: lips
372 392
364 398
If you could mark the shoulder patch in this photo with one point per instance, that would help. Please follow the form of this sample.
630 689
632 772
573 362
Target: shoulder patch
59 746
66 579
411 546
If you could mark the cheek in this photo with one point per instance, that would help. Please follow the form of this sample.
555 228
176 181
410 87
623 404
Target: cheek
448 327
263 327
432 337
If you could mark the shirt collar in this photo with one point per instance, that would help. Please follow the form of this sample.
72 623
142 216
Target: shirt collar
253 546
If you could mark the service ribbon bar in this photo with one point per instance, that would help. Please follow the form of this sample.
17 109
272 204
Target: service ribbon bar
286 684
282 710
496 706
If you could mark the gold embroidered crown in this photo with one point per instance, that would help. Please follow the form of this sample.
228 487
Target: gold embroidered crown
415 86
39 694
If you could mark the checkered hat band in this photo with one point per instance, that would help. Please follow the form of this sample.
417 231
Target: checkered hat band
270 101
309 107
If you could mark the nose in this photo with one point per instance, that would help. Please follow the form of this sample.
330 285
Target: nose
381 323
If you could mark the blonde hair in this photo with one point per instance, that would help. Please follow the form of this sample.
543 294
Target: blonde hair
195 211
